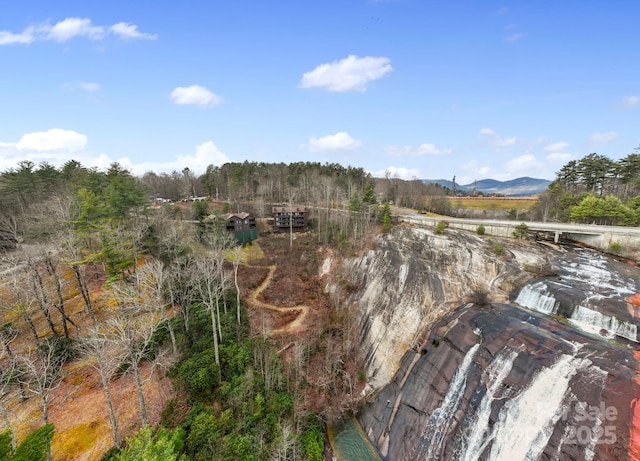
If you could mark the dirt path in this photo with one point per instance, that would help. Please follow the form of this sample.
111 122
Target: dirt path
293 326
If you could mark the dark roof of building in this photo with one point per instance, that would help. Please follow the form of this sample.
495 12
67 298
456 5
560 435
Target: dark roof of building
228 216
242 215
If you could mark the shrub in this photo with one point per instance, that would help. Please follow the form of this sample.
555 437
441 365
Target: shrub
615 247
313 444
480 297
206 432
498 248
147 445
171 414
521 231
480 230
111 454
441 227
200 374
386 218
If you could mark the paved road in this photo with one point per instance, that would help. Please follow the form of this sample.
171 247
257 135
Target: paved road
533 225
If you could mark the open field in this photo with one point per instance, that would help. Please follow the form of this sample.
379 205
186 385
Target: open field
493 203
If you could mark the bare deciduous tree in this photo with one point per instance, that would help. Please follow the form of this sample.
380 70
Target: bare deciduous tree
132 331
105 359
153 280
18 299
51 263
39 293
40 372
7 383
8 333
236 258
209 286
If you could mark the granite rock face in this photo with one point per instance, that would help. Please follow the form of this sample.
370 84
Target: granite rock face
415 277
500 383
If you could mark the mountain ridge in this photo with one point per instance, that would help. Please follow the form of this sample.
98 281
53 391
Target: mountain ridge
524 185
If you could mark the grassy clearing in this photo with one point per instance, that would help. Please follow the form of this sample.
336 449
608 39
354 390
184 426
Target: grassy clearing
493 203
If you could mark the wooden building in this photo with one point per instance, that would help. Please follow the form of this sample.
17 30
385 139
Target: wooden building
241 225
287 219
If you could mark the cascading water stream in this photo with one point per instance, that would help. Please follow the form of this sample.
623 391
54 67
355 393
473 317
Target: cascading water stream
598 323
591 275
538 298
478 428
441 420
526 422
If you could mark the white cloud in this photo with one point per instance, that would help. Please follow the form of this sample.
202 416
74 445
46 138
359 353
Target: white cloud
25 37
559 157
557 146
54 146
399 172
70 28
206 154
495 140
629 102
130 31
349 74
75 27
195 95
333 142
514 37
89 87
55 139
524 165
57 146
422 149
599 139
476 170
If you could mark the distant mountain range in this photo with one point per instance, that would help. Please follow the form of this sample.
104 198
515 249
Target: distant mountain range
518 186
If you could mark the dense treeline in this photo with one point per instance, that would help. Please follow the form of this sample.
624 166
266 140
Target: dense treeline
34 198
594 189
342 200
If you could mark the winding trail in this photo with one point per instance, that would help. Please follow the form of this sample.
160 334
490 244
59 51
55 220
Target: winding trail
292 327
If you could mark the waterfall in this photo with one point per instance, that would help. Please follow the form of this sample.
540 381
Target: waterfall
526 422
496 372
440 421
538 298
596 322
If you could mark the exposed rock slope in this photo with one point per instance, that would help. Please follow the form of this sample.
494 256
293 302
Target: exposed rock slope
415 277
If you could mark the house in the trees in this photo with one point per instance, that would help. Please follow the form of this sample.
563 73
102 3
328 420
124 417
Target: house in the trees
241 225
287 219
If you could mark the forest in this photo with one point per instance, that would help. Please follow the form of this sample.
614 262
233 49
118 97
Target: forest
121 277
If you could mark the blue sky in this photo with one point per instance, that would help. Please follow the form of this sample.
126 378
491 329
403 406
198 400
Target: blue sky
421 89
